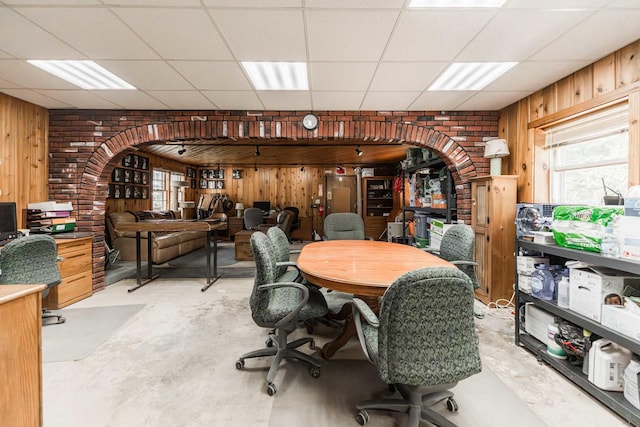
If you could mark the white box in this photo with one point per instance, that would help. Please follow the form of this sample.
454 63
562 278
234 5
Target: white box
50 206
591 287
438 227
527 264
524 283
536 322
366 172
629 235
621 320
434 242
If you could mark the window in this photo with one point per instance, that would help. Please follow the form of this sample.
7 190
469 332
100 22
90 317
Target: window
160 190
589 157
177 190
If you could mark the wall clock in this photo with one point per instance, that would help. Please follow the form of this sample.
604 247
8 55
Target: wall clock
310 122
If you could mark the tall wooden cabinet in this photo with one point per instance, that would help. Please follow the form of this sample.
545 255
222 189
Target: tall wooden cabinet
378 204
493 208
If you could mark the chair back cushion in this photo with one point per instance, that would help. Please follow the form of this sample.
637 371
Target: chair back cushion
457 245
280 247
295 222
30 260
344 226
427 334
252 218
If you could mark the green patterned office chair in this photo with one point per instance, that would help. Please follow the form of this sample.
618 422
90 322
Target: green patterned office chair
344 226
32 260
287 269
423 342
280 305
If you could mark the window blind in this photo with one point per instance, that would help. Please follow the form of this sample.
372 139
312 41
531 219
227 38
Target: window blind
611 121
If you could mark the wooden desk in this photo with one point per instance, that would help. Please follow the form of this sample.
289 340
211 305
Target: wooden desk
76 270
364 268
21 355
150 226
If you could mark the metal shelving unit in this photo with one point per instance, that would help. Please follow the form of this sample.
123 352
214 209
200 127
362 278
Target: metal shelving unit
613 400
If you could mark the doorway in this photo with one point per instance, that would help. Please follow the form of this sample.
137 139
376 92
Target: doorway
341 194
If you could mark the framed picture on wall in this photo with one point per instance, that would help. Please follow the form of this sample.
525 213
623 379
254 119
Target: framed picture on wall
136 161
128 191
237 174
128 175
211 184
203 183
137 192
127 161
219 184
117 175
144 163
193 183
118 191
110 191
144 178
203 173
145 192
137 177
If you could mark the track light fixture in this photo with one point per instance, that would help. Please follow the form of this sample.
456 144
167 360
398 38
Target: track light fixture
358 151
302 168
182 151
257 150
255 168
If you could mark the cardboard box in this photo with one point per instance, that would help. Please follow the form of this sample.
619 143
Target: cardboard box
629 236
524 283
621 320
527 264
434 242
592 287
632 206
438 227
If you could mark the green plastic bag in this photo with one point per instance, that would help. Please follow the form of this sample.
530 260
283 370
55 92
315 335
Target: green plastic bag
582 227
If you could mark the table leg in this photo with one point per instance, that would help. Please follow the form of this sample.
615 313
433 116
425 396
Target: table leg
210 280
349 330
150 276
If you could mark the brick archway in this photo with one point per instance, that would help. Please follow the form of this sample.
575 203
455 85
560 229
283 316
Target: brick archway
94 179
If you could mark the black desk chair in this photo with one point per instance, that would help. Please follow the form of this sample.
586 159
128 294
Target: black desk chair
32 260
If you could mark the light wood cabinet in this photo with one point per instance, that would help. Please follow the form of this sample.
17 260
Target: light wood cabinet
76 271
493 208
21 355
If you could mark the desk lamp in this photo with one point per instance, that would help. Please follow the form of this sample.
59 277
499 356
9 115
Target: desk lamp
239 209
495 150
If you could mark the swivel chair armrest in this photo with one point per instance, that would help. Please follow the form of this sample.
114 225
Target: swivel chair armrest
368 238
293 314
431 251
460 262
287 264
59 259
295 251
362 309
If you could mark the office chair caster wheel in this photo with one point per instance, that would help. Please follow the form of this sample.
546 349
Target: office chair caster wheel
269 342
314 371
362 418
392 388
240 364
452 405
271 389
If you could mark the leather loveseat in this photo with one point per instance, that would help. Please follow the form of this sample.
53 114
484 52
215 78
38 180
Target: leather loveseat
165 245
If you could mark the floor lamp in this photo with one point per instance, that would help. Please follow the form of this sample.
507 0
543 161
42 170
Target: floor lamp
495 150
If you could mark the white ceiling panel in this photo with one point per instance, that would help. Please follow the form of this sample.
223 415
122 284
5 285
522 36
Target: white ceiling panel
388 100
631 4
434 35
556 4
234 99
145 75
533 76
261 35
29 76
4 84
208 75
33 42
580 44
79 98
405 76
36 98
491 100
355 4
53 2
96 32
440 100
253 3
156 3
349 35
336 76
141 100
280 100
183 99
337 100
197 39
527 31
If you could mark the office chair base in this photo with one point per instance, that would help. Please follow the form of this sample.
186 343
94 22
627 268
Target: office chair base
46 314
278 346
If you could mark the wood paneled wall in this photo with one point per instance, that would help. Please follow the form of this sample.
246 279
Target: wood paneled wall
612 79
24 149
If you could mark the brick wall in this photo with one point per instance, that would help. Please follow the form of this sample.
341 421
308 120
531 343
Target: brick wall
82 144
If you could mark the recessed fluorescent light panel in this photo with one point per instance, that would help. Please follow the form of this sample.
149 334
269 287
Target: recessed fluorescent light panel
457 3
86 74
470 75
277 75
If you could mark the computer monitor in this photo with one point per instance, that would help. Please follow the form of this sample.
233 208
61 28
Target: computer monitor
263 205
8 221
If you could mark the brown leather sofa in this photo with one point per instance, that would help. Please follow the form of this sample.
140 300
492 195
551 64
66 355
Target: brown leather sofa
165 245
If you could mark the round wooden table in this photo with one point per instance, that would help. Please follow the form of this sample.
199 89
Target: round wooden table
364 268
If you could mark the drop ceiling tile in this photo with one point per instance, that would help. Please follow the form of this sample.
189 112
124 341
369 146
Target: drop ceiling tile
182 99
147 75
348 35
96 32
283 100
196 39
434 35
336 100
556 4
80 98
516 26
36 98
4 55
253 3
440 100
52 2
388 100
260 35
133 99
234 99
336 76
26 75
630 4
355 4
23 39
4 84
532 76
491 100
405 76
154 3
584 42
209 75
